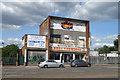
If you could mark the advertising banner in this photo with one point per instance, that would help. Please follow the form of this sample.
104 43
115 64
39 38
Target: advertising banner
35 41
60 49
69 25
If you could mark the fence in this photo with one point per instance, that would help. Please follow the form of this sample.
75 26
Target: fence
104 60
21 60
9 60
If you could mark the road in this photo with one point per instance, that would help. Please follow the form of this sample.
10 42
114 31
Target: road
95 71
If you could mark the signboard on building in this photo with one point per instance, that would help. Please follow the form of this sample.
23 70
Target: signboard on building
69 25
35 41
68 49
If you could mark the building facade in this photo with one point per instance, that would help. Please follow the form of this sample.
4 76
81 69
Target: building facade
67 39
64 39
34 49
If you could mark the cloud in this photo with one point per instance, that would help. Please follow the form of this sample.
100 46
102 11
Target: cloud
98 45
95 39
96 11
22 13
103 1
14 41
60 0
100 42
2 41
10 27
30 13
9 41
110 38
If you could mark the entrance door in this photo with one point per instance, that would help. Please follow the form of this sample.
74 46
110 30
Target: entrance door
67 57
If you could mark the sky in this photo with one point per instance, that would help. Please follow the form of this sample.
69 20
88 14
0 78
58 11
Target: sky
20 18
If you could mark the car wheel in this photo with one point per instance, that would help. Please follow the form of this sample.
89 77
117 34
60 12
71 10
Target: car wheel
61 66
76 65
45 66
89 65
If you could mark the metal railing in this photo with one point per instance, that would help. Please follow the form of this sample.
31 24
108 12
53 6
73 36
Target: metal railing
104 60
9 60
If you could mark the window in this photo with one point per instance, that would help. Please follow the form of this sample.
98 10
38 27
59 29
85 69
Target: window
49 61
66 37
55 56
81 39
55 38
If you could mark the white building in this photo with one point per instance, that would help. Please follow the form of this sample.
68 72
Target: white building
94 53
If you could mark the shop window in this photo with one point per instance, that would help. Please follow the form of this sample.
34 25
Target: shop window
77 57
55 56
51 56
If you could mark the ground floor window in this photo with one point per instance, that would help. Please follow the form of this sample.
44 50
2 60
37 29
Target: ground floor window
79 56
55 56
67 57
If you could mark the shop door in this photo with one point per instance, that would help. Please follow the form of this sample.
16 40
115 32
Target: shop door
67 57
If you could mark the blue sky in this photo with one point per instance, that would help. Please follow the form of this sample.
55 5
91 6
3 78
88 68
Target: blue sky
24 18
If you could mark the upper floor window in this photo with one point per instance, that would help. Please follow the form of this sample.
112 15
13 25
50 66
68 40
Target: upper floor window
82 41
66 37
81 38
55 38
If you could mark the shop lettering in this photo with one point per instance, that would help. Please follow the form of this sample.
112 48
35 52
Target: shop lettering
59 48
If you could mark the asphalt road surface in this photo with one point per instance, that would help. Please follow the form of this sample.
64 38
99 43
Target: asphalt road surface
95 71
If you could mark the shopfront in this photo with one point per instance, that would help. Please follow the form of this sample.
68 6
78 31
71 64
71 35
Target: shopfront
66 56
35 56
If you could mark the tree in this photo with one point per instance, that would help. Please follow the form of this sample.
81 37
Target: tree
112 48
103 50
106 49
10 51
116 44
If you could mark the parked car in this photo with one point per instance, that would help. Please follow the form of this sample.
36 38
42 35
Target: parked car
78 63
50 63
